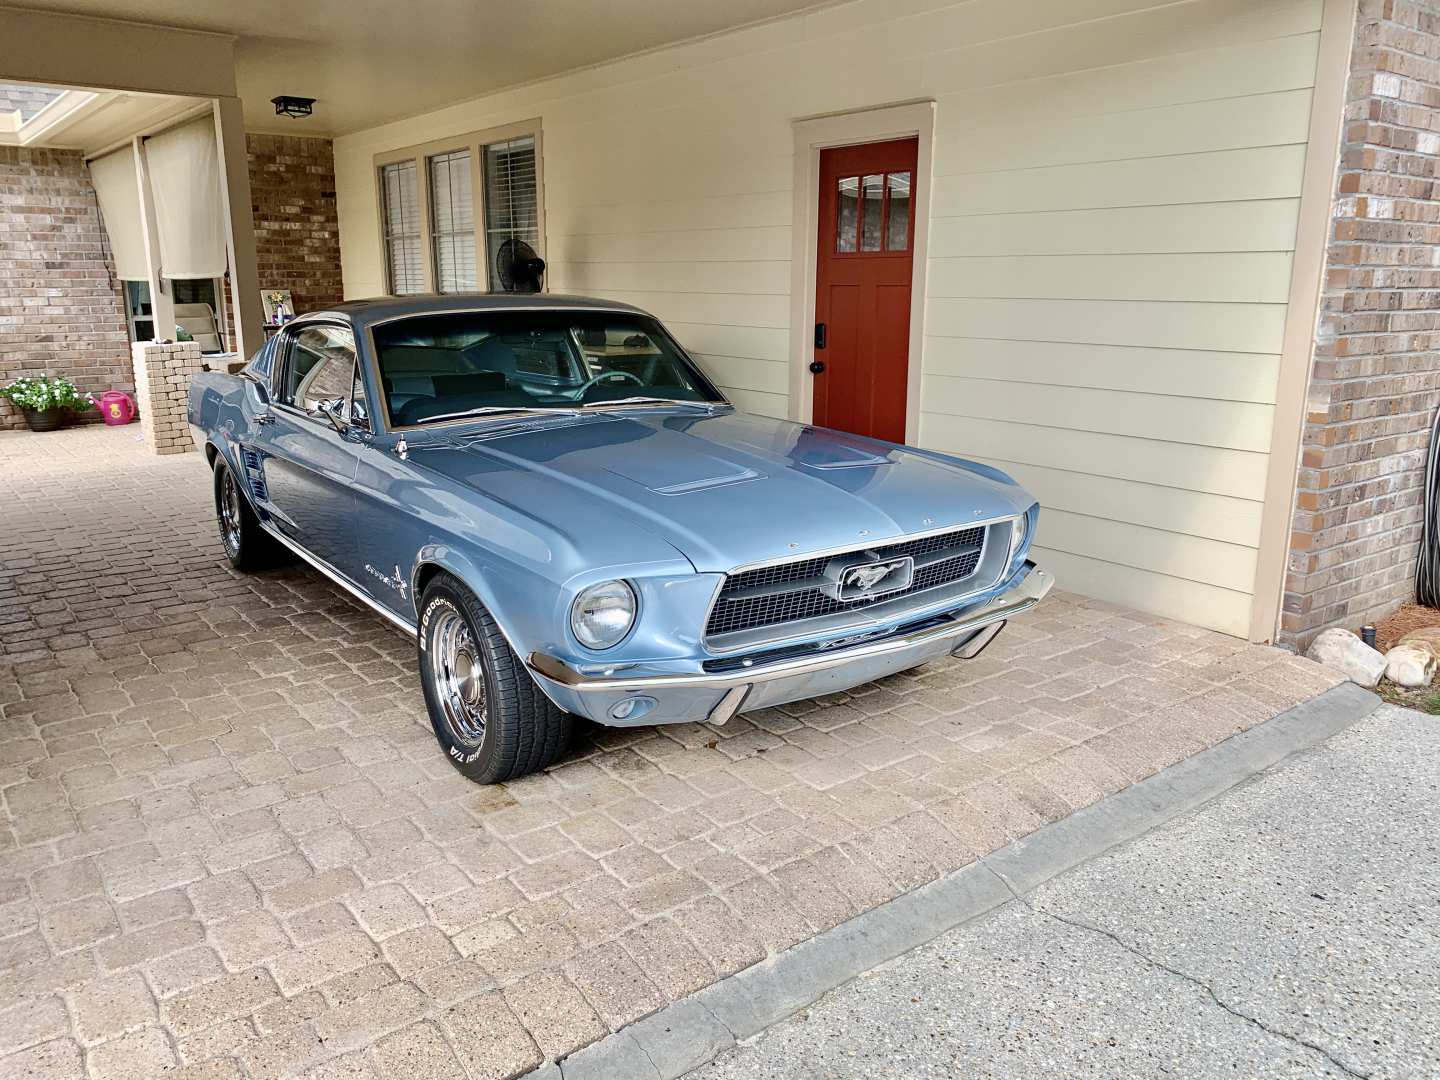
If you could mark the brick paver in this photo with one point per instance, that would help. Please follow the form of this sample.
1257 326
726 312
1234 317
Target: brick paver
232 849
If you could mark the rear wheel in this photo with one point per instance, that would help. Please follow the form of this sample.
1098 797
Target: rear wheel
491 719
247 545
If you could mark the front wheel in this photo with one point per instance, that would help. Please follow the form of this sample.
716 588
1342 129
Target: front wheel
491 719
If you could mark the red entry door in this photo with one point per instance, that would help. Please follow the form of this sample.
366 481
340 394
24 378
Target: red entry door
862 287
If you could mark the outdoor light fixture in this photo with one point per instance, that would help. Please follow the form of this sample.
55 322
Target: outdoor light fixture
292 106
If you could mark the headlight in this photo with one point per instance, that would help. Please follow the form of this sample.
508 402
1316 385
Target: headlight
603 614
1018 533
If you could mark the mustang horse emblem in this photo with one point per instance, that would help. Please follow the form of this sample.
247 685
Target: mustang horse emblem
865 578
860 580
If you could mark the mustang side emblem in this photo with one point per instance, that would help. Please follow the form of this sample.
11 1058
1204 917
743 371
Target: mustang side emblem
848 581
398 582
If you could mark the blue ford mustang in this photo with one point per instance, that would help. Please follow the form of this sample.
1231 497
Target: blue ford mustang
572 520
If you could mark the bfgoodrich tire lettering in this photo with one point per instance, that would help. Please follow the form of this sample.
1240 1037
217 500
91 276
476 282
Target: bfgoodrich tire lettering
491 720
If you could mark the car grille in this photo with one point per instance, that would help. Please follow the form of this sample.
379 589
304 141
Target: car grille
792 591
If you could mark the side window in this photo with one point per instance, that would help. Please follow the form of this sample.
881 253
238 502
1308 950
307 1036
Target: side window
319 366
356 410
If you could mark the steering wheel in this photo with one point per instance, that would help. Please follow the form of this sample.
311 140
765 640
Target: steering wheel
583 390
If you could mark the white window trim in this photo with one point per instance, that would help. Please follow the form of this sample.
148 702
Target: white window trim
475 142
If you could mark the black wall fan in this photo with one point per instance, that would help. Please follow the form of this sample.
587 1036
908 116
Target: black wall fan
517 267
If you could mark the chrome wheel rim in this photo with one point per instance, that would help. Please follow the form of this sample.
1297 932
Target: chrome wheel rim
230 514
458 676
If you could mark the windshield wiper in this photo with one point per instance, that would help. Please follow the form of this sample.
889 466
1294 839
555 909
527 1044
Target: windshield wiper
707 405
498 410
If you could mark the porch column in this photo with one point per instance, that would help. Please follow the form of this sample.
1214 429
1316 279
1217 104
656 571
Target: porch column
247 314
162 303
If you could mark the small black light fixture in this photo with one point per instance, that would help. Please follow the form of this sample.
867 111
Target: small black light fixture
285 105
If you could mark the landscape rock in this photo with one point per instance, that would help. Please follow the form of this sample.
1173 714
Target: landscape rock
1427 638
1409 665
1347 654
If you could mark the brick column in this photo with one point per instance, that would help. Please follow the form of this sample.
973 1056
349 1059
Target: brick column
1375 380
162 385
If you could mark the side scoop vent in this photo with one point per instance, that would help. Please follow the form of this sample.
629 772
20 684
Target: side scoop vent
255 473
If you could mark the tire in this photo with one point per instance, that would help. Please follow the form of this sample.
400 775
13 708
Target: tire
247 545
491 719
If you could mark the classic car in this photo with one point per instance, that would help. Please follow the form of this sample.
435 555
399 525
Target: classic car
572 520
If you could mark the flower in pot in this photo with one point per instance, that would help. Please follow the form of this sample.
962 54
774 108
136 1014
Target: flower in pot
46 403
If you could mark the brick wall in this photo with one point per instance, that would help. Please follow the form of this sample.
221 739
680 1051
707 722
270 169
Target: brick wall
60 309
1375 382
297 237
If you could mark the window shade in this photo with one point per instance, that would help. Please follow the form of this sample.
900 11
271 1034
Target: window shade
511 198
402 228
117 189
184 167
452 222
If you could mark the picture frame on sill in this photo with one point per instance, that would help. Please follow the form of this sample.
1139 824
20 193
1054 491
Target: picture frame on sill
279 307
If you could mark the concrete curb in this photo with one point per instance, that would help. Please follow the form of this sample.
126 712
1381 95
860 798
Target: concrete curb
690 1032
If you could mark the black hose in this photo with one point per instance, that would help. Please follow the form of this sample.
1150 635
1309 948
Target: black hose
1427 568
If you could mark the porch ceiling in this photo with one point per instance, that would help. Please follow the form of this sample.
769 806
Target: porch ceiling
369 61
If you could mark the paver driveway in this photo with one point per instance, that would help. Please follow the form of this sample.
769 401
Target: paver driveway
232 849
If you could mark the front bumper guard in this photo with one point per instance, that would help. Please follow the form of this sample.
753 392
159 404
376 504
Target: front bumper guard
737 683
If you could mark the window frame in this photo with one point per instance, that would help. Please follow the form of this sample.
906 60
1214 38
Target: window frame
421 154
281 371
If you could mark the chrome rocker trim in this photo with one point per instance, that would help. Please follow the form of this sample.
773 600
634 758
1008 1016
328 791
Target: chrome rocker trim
1031 590
338 578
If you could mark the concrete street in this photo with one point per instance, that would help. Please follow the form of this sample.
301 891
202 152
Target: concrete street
1290 928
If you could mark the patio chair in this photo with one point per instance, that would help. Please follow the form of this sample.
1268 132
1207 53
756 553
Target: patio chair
198 320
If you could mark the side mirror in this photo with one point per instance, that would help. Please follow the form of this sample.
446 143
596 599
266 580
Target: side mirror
261 391
334 411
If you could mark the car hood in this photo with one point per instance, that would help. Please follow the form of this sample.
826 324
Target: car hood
725 490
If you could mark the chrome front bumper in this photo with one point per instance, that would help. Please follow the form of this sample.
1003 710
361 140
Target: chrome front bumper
716 696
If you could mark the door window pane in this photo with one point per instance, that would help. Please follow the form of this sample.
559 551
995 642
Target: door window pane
320 366
848 199
872 194
402 228
897 223
137 310
452 222
511 204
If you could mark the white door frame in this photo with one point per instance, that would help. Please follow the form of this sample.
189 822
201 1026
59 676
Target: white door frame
812 135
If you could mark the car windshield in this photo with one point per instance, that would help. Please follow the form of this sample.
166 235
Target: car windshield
458 365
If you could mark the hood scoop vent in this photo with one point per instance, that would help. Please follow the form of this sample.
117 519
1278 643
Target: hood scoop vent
823 451
680 475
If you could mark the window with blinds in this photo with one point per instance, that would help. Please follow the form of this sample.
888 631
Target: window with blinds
452 222
511 199
401 220
439 230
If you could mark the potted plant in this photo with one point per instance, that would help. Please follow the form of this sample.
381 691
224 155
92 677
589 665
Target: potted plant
46 403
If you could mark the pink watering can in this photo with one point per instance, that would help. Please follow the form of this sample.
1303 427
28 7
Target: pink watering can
116 406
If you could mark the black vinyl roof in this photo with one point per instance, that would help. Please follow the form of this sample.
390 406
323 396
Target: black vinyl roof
382 308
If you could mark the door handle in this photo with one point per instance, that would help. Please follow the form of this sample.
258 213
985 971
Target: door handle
264 418
817 366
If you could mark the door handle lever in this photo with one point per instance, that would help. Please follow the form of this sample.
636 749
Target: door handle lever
264 418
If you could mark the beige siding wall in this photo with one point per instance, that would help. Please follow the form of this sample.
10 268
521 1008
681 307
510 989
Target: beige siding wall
1113 205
